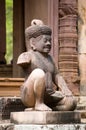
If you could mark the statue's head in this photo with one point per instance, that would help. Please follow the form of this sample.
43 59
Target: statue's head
38 36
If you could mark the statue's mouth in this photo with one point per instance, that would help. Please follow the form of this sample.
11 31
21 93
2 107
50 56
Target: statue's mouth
48 47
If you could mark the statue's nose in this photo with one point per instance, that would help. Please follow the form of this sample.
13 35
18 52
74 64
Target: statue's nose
48 43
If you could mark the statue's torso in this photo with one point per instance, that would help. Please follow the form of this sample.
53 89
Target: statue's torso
39 61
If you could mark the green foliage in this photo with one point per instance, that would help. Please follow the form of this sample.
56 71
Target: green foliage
9 30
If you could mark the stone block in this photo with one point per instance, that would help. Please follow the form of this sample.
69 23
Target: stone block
8 105
6 126
45 117
81 103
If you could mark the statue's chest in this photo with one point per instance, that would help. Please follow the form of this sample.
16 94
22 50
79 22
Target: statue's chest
42 63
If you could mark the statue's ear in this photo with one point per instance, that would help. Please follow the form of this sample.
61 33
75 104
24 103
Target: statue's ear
32 44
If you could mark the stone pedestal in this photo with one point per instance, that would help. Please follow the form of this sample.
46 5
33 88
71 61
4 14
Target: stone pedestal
45 117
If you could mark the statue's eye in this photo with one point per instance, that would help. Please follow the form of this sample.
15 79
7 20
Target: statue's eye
49 40
45 40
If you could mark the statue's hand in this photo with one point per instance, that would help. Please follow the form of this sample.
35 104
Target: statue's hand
58 95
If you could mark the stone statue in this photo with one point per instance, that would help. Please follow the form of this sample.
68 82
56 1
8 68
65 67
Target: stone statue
44 89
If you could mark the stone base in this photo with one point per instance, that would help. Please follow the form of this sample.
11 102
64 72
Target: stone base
51 127
46 117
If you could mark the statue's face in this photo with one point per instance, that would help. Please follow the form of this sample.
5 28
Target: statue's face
43 44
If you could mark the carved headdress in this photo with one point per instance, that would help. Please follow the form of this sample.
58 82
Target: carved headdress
36 29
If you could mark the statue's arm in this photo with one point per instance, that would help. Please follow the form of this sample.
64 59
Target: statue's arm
24 59
62 85
60 82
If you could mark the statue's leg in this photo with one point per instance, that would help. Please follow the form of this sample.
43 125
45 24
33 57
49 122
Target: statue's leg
39 90
68 103
27 93
35 89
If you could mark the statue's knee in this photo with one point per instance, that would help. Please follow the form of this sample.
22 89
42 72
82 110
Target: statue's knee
38 74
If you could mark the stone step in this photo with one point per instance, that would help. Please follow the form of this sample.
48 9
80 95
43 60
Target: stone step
43 127
82 112
10 87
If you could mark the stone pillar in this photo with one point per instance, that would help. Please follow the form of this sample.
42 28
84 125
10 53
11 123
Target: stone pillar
2 32
82 46
18 35
53 23
68 62
68 53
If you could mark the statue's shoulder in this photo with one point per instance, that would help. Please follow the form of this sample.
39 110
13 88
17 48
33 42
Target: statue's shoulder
24 58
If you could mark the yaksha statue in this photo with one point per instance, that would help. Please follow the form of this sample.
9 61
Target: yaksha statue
44 89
